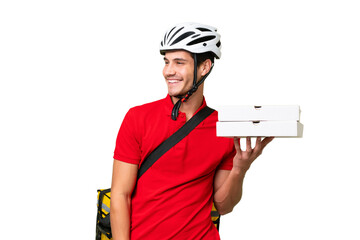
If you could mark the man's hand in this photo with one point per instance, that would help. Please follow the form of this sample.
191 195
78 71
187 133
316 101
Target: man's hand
243 159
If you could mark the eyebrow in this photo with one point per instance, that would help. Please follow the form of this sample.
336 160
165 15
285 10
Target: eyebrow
176 59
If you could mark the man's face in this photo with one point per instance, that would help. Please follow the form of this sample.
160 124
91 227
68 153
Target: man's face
178 72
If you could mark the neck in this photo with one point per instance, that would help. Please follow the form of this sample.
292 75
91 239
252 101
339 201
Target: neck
192 104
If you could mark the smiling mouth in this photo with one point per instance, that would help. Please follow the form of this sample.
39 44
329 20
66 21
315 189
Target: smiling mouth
173 81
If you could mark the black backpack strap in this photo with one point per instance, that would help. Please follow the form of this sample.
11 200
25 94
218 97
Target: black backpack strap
174 139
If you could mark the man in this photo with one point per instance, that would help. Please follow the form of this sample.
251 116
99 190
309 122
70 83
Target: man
173 199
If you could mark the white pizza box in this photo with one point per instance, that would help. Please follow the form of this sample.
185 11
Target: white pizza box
259 113
259 129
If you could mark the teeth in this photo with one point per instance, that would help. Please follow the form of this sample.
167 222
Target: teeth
173 81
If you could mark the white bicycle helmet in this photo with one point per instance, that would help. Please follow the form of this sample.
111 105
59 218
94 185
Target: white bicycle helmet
192 37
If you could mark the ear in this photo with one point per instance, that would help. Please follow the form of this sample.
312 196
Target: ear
205 67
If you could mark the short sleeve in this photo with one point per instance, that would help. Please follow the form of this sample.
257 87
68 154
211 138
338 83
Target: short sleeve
127 147
227 161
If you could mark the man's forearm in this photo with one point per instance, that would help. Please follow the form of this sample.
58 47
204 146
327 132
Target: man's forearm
120 217
229 194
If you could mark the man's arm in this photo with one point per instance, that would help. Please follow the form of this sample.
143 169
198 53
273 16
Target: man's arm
123 182
228 184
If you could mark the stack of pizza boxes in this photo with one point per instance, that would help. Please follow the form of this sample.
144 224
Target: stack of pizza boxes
259 121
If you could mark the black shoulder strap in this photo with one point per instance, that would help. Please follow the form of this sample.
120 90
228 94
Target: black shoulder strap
174 139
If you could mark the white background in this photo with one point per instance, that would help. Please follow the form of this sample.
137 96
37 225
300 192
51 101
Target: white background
70 70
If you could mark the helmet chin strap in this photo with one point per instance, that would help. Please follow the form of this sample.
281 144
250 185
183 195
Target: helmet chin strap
184 98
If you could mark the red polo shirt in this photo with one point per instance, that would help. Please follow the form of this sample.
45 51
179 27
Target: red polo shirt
173 199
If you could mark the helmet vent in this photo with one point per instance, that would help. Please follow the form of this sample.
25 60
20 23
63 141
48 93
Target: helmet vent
182 37
218 44
175 33
200 40
203 29
170 32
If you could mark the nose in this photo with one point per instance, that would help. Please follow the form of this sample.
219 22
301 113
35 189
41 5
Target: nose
168 70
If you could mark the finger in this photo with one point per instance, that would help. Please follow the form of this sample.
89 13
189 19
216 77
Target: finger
266 141
248 144
258 144
237 144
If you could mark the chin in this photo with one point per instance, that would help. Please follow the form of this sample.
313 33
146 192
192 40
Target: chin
173 92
